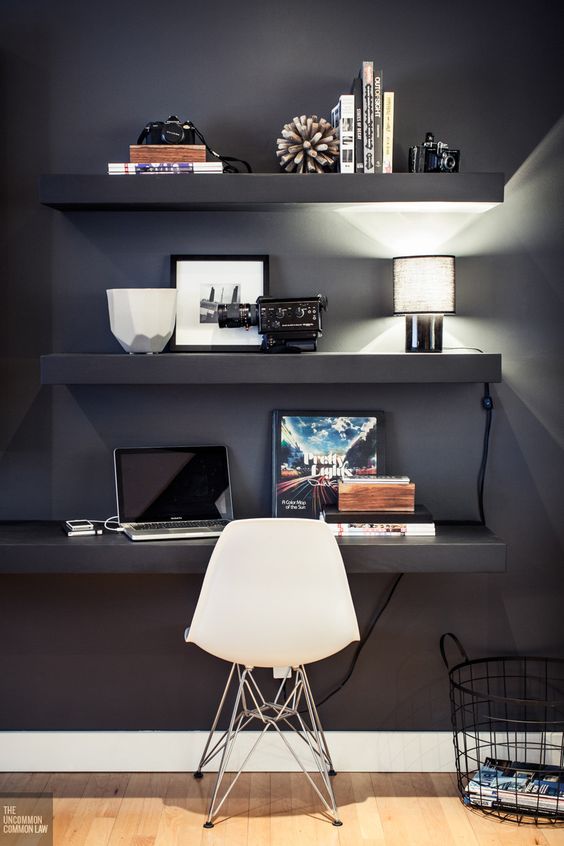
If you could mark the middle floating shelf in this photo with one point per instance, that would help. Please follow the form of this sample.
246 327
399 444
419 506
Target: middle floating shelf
258 368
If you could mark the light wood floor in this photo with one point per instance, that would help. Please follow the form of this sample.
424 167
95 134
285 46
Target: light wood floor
268 809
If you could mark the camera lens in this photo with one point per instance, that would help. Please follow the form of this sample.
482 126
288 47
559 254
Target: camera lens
448 162
236 315
172 133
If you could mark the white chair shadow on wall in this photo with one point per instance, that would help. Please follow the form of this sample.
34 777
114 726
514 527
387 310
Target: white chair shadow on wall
275 594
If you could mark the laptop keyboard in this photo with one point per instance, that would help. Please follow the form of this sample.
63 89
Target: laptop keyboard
180 524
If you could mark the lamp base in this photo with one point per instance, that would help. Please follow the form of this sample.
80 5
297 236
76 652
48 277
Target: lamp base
424 333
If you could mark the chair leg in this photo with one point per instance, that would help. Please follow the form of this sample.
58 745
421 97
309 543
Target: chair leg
230 736
205 758
330 768
323 757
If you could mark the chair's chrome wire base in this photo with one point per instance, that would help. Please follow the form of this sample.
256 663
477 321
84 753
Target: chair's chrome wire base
288 710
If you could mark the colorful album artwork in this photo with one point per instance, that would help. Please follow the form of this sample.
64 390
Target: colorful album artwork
314 449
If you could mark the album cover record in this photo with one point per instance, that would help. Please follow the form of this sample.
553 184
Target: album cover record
312 450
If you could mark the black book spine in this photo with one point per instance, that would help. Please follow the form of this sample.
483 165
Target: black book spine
367 72
356 91
420 515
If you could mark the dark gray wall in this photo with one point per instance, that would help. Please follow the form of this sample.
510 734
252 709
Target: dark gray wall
78 83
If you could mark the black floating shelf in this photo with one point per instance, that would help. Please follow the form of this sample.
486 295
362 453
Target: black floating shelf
258 368
43 548
262 191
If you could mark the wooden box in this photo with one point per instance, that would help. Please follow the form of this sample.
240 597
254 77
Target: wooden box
381 497
167 153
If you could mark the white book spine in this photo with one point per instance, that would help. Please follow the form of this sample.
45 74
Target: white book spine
388 139
346 133
378 105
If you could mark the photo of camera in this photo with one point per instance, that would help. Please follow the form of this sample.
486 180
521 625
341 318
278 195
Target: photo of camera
170 131
290 324
433 157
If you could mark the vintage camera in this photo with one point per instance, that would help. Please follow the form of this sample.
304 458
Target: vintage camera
170 131
433 157
288 325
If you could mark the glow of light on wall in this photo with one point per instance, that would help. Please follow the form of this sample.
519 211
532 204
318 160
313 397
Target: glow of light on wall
409 232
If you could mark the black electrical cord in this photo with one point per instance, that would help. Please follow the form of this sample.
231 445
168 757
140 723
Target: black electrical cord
363 641
487 405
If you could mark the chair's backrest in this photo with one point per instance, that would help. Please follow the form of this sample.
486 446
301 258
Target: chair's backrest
275 594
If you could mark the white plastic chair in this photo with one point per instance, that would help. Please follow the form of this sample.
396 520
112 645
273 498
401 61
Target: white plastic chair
275 594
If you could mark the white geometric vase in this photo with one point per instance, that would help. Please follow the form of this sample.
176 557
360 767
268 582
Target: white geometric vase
142 319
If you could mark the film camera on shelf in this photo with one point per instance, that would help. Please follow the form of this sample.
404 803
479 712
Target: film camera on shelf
288 325
433 157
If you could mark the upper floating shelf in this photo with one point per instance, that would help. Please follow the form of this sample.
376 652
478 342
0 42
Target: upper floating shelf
272 191
258 368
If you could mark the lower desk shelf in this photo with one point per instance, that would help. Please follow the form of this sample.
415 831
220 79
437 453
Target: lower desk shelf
43 548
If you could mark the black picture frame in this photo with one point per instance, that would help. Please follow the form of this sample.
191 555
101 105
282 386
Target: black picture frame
348 442
198 280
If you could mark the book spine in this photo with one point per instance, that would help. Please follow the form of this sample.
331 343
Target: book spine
392 525
377 517
356 91
341 530
384 530
388 137
367 74
378 76
378 480
162 167
346 133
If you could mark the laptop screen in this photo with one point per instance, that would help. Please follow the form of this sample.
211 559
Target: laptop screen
172 483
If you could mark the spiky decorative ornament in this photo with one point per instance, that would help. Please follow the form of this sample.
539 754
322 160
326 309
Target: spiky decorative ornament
308 145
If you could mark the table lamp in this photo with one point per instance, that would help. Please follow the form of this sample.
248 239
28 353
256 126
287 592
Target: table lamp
424 291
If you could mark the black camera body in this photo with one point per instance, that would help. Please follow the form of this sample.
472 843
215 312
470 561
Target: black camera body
169 131
433 157
287 324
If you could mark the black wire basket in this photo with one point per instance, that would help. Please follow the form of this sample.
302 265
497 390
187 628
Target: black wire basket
508 733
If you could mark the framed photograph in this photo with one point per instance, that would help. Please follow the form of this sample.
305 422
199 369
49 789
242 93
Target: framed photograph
202 283
312 450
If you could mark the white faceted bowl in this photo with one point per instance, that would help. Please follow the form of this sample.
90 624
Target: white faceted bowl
142 319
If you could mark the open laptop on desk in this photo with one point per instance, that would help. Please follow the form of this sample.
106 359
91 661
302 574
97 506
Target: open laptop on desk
172 492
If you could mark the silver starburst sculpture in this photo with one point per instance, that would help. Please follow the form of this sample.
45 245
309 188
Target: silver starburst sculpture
308 145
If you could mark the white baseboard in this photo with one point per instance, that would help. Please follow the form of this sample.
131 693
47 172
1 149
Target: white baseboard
180 751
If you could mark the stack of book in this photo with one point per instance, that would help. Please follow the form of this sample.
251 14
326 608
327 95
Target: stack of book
166 158
365 120
399 524
378 506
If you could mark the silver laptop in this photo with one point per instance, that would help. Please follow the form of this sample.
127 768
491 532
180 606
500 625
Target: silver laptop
173 492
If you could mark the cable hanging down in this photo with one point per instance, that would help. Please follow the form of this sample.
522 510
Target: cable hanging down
363 641
487 405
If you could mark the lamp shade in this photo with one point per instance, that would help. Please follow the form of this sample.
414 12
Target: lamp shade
424 285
